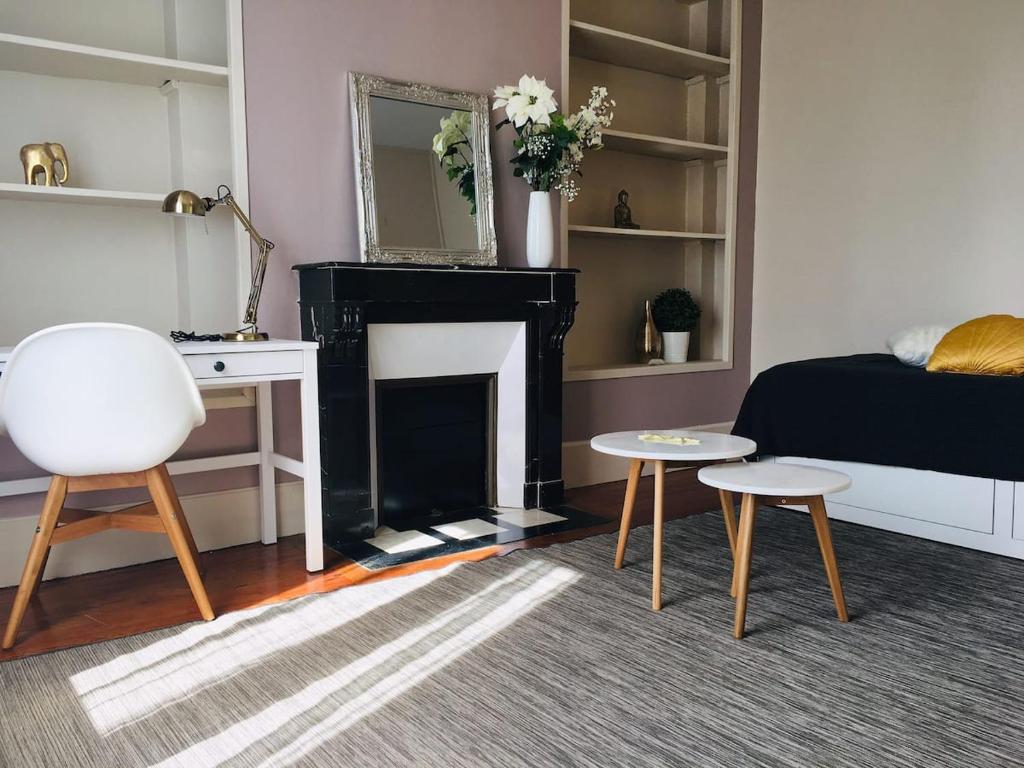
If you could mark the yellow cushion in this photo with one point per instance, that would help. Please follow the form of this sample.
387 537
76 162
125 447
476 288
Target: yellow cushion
992 345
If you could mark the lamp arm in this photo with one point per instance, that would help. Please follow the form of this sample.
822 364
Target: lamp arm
260 269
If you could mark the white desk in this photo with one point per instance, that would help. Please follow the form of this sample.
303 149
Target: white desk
230 364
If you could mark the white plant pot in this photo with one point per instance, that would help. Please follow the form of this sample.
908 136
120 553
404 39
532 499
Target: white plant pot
675 345
540 233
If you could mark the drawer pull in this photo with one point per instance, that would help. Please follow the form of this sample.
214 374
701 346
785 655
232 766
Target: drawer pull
218 366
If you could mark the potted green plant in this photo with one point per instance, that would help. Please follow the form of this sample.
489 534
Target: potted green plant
675 314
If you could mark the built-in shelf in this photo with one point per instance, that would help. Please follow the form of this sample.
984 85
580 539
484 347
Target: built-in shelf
628 370
662 146
9 191
589 41
49 57
643 234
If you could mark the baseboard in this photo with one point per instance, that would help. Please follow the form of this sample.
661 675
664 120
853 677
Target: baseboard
582 465
218 520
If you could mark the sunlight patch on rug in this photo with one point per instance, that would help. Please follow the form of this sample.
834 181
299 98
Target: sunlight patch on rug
133 686
284 732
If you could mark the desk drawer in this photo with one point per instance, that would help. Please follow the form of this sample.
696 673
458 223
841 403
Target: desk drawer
235 364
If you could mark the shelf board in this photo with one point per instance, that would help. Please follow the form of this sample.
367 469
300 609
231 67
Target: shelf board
49 57
9 191
662 146
589 41
642 234
628 370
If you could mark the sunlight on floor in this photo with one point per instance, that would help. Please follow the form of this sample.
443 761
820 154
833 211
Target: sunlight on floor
293 727
135 685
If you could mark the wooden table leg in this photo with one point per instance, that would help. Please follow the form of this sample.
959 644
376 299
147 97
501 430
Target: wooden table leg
659 521
828 555
729 513
635 468
741 572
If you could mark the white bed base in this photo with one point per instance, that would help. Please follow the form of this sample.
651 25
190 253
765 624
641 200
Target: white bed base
972 512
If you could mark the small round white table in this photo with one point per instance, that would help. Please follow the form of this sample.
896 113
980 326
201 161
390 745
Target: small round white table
778 484
711 447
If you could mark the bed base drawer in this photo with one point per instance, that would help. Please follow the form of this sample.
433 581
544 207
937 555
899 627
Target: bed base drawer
954 501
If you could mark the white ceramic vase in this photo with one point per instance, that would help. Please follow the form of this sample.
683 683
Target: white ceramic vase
540 233
675 345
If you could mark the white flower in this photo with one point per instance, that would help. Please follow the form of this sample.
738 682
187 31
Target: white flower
530 100
502 94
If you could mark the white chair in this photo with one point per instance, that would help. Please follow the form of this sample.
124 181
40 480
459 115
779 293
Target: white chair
99 406
773 483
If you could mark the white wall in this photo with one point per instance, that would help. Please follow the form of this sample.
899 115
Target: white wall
890 186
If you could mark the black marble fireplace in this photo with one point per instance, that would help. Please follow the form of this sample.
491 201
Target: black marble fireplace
471 358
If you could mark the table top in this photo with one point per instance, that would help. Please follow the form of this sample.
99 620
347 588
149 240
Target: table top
713 446
768 478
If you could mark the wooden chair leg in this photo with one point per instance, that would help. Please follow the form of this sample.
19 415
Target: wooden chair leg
741 572
42 570
167 506
828 555
182 518
635 468
37 556
659 530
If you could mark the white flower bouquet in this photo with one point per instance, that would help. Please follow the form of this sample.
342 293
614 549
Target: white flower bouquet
549 146
454 151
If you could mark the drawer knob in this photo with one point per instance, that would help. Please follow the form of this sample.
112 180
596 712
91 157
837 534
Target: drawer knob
218 366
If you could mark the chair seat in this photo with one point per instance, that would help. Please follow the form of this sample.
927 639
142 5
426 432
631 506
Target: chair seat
772 479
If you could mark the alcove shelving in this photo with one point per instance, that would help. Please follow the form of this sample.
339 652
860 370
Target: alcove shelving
146 96
51 57
672 67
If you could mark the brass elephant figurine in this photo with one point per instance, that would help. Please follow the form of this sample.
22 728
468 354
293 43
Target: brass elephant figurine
38 158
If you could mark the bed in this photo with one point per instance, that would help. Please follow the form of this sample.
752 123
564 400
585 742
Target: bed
937 455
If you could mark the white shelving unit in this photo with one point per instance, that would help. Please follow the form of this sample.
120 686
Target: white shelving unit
50 57
9 191
672 66
146 96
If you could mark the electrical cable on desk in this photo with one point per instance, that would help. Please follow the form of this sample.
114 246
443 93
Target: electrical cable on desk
180 336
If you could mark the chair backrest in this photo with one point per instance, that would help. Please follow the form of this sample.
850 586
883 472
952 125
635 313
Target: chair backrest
98 398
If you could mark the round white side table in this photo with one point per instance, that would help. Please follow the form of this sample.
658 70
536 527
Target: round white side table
778 484
710 447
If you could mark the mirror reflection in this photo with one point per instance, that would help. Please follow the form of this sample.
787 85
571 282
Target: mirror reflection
424 176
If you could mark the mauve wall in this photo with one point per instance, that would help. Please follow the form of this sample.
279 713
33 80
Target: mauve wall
301 176
592 407
297 59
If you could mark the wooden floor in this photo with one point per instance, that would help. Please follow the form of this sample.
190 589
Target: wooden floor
111 604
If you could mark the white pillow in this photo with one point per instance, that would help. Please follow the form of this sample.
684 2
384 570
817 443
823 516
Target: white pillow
915 345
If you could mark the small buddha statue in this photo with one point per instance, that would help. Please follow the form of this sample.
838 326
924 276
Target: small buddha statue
623 215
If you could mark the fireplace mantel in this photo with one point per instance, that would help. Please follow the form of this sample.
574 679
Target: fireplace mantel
339 300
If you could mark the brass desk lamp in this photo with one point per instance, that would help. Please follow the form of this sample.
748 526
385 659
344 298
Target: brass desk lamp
181 202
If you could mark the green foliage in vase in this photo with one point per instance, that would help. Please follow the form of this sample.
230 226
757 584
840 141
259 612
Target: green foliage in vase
675 311
549 145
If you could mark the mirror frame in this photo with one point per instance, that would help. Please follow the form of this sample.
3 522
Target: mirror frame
361 88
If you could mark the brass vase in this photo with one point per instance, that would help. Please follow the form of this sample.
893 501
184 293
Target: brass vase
648 340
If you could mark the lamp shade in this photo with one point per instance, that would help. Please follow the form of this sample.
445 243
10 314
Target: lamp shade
181 202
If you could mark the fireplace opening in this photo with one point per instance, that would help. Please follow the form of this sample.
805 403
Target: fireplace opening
435 447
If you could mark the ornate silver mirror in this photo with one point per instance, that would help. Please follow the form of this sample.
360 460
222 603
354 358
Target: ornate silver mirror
423 173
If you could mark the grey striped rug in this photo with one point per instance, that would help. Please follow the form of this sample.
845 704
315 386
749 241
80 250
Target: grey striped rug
551 658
